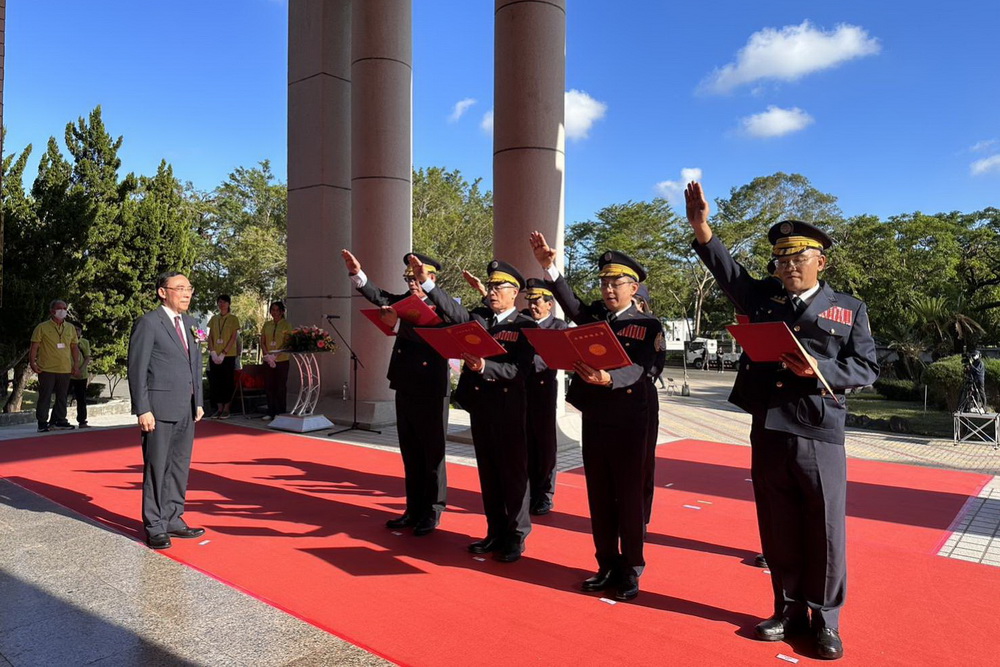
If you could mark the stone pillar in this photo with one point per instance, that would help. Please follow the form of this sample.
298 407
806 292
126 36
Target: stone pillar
319 176
529 128
3 41
381 175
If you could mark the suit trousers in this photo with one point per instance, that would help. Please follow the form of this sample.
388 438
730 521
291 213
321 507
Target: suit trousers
541 432
614 456
800 488
276 386
166 462
222 380
79 389
422 423
652 435
49 384
498 435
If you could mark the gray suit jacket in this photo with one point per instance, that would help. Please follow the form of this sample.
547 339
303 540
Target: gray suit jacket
162 377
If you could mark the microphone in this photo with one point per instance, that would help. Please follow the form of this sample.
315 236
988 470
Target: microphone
332 317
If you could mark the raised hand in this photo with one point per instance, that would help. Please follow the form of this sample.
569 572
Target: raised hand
351 262
698 211
474 282
419 271
545 255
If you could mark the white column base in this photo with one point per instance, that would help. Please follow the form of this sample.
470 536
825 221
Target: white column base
300 424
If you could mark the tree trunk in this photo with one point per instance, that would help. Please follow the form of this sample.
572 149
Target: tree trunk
21 374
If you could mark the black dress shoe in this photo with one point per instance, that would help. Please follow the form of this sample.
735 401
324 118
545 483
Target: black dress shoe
158 541
508 555
485 546
603 580
628 588
404 521
760 561
828 644
425 526
187 533
778 627
541 508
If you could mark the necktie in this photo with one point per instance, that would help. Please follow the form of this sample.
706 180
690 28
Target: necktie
180 332
612 317
493 321
798 305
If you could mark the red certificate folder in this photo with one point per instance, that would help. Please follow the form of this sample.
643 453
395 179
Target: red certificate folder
593 344
411 309
469 338
767 341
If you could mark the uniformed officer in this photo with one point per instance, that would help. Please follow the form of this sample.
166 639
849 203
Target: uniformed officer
421 380
542 394
493 392
798 464
643 303
615 406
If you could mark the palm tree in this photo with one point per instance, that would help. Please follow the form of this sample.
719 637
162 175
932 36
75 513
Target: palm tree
946 328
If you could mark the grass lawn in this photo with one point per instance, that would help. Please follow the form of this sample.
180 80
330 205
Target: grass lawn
935 423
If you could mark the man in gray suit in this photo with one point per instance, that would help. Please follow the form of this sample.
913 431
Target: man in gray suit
164 378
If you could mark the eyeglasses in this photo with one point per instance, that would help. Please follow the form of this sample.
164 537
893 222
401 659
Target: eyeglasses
410 279
794 262
182 290
615 284
496 287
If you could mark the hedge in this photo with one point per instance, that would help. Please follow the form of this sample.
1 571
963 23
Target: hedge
899 390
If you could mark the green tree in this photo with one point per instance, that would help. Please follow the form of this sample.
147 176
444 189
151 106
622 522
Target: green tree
453 223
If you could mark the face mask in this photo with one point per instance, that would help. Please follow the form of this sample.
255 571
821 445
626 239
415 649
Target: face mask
61 314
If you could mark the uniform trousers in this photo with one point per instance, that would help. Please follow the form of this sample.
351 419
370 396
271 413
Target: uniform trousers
541 411
422 422
79 388
276 385
221 380
800 488
614 456
498 435
166 462
49 384
652 435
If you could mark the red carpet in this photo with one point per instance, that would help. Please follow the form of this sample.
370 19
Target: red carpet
298 522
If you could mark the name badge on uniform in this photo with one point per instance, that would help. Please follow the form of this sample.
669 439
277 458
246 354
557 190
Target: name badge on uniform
60 346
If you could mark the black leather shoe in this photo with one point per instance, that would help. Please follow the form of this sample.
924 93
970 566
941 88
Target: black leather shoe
425 526
485 546
603 580
828 644
158 541
777 628
760 561
508 555
404 521
541 508
628 588
187 533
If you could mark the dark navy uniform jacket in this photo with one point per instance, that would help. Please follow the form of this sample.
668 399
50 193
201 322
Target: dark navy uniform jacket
415 366
834 329
503 374
636 331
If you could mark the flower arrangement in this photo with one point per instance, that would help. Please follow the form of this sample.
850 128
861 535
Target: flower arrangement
309 339
199 334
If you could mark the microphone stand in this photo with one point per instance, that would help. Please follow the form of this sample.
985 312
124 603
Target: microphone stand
355 362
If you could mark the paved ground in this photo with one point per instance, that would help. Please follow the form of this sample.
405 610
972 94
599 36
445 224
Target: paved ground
73 593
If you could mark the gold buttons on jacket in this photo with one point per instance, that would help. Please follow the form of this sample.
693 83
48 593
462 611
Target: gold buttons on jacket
628 391
779 384
424 364
796 328
505 390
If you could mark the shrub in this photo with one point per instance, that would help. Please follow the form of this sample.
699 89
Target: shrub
899 390
945 376
94 389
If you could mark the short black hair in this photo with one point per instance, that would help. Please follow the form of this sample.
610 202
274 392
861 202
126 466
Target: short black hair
279 304
226 298
163 279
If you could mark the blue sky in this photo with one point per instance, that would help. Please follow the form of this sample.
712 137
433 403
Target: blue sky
892 106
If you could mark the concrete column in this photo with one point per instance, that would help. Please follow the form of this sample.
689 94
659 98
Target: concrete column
529 128
381 175
319 177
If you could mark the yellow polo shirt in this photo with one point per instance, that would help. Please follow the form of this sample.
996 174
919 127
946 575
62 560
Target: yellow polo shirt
84 346
55 346
220 329
276 336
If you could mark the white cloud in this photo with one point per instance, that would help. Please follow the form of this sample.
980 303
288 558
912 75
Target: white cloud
582 111
775 122
791 53
673 191
980 146
986 165
460 108
487 122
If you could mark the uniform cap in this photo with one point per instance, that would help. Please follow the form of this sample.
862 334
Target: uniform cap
499 272
790 237
613 264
